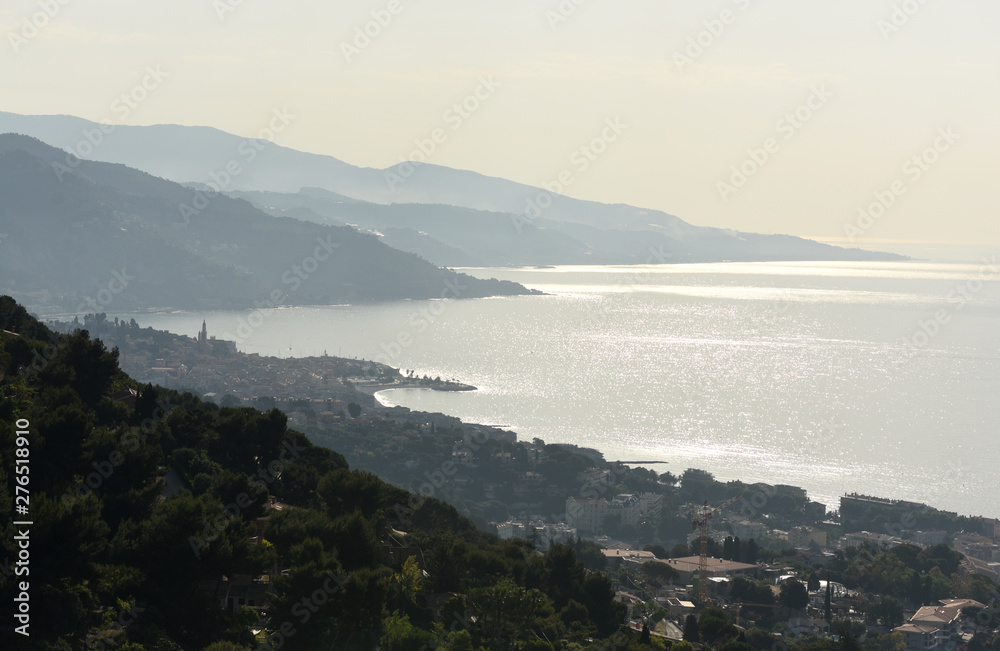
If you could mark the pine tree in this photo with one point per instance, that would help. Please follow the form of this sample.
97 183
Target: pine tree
691 629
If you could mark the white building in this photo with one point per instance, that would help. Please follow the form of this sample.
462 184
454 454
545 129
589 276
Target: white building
544 535
745 530
625 507
936 627
650 504
590 514
586 514
860 538
929 537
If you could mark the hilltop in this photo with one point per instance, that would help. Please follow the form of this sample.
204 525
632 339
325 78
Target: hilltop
448 216
80 238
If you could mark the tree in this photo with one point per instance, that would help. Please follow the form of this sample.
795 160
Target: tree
658 551
658 571
760 639
691 633
793 595
648 613
354 409
230 400
400 635
890 642
714 626
411 579
680 551
751 592
505 612
888 610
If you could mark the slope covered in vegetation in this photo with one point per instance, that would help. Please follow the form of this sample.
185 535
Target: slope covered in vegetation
151 509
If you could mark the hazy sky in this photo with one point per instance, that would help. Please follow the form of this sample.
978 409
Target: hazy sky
873 83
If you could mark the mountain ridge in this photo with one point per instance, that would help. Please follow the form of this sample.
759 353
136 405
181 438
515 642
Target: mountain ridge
69 232
235 164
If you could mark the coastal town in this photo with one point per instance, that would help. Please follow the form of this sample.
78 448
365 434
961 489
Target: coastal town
911 577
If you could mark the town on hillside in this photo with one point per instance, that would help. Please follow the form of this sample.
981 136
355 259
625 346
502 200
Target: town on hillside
896 575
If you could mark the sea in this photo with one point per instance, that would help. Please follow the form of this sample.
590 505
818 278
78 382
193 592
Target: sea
881 378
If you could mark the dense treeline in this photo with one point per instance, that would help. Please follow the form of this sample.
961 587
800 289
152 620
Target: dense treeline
140 511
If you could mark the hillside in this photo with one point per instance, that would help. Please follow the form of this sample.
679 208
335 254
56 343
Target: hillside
458 236
450 216
85 237
157 521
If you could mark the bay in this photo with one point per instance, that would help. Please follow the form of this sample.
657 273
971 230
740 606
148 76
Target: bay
880 378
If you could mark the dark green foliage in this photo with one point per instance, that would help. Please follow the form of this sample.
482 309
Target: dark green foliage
715 626
658 551
660 572
691 633
152 507
793 595
888 611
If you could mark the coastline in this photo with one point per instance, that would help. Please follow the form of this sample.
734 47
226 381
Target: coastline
373 388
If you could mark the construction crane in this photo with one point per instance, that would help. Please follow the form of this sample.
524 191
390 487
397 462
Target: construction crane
702 521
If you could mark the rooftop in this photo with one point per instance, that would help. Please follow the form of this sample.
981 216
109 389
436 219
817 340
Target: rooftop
691 563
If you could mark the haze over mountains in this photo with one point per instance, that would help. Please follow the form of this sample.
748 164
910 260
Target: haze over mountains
93 235
449 217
